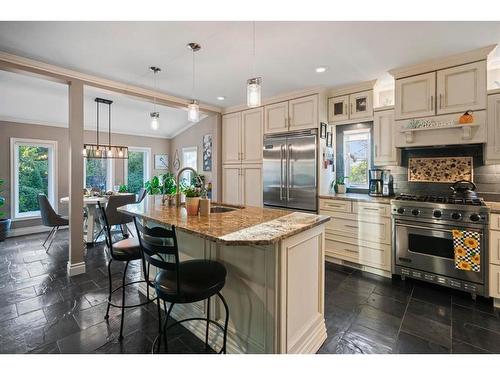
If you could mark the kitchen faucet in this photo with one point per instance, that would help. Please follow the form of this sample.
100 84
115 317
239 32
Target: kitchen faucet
196 175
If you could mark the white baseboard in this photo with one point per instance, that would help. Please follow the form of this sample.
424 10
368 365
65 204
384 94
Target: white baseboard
16 232
76 268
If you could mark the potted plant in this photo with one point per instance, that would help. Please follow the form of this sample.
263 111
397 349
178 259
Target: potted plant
153 186
192 194
168 187
4 223
339 185
123 189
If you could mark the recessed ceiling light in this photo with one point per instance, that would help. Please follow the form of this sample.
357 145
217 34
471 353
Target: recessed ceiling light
321 69
221 98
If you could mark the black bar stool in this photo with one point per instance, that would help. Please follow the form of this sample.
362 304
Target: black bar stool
125 250
180 282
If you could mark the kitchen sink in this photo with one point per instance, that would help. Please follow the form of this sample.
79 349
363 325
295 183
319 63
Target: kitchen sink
220 209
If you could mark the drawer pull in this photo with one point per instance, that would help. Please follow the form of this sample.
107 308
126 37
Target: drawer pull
333 205
351 226
351 250
370 209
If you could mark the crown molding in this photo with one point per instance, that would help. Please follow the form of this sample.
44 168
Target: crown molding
277 98
352 88
443 62
23 65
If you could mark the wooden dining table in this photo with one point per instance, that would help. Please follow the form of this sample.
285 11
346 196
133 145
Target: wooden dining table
90 205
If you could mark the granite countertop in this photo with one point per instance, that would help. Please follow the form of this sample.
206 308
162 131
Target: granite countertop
356 197
244 226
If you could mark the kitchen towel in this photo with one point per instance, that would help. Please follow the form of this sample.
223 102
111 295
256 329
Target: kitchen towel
467 247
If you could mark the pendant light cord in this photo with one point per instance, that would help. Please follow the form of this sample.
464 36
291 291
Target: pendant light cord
253 49
154 85
97 124
192 88
109 126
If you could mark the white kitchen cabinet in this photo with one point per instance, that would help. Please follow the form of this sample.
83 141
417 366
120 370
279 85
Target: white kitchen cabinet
276 118
361 105
384 138
495 282
303 113
231 138
415 96
252 187
338 108
242 137
492 148
231 184
251 135
242 185
461 88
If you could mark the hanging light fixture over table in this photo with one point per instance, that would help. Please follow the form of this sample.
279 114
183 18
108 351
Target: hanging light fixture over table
193 107
103 151
155 116
254 93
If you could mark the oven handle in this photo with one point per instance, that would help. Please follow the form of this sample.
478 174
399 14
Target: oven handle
434 229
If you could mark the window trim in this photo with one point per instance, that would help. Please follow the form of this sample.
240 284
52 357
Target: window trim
368 159
147 161
14 176
110 173
190 148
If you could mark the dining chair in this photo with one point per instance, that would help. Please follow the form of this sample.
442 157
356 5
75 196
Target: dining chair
179 282
50 219
141 195
116 218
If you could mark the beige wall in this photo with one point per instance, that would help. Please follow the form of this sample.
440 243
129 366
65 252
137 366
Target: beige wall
16 130
194 137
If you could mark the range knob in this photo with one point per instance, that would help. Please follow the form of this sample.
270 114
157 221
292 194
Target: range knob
456 215
437 213
475 217
401 210
415 212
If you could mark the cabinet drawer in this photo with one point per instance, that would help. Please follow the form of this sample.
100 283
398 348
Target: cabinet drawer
378 231
335 205
495 247
365 208
495 221
494 281
379 257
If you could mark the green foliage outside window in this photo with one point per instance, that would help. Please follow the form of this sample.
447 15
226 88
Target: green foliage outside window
135 180
359 172
33 170
96 174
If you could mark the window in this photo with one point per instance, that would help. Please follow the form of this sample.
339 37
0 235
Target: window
357 157
98 173
137 170
189 159
33 172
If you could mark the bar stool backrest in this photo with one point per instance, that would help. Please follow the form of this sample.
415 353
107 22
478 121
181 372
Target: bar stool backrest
159 249
106 227
114 201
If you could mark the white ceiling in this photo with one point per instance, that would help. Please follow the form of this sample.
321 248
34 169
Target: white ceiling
32 100
286 52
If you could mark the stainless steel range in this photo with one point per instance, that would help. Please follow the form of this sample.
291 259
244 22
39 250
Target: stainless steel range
423 241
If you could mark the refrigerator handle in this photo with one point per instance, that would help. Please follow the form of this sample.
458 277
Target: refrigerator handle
289 172
282 154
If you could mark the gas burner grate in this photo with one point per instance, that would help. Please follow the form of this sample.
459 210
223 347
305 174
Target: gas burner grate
441 199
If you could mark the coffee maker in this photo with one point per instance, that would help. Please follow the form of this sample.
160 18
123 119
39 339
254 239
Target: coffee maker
381 183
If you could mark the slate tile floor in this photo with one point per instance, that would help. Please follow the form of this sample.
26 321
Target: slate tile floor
44 311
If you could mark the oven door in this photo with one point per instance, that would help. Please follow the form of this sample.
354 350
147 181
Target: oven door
430 249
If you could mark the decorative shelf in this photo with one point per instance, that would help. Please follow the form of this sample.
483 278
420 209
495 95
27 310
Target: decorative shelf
466 130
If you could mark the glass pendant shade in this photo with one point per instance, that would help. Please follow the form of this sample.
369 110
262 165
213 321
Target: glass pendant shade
194 111
155 120
254 92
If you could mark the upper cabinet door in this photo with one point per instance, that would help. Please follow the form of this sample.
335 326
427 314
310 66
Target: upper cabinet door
361 105
493 145
276 118
384 133
252 123
415 96
303 113
461 88
231 138
338 108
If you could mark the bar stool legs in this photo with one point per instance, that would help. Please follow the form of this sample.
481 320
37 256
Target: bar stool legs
208 323
110 283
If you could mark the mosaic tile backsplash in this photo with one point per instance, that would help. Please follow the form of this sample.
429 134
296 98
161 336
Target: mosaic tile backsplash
442 170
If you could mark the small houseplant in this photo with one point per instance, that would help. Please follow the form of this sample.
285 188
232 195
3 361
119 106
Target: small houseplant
153 186
168 187
192 194
4 223
339 185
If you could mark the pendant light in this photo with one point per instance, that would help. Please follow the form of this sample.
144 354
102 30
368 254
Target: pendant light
155 116
193 107
254 84
102 151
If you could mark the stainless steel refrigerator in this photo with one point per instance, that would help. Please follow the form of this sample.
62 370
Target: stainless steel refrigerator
290 170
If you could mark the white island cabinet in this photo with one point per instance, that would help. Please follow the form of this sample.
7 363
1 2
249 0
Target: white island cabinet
275 274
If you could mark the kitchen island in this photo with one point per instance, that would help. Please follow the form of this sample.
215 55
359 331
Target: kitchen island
275 273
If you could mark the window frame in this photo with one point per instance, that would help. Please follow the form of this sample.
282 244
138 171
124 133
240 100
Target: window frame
347 164
110 175
52 192
147 163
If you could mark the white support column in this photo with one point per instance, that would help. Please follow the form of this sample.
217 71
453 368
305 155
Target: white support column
76 262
